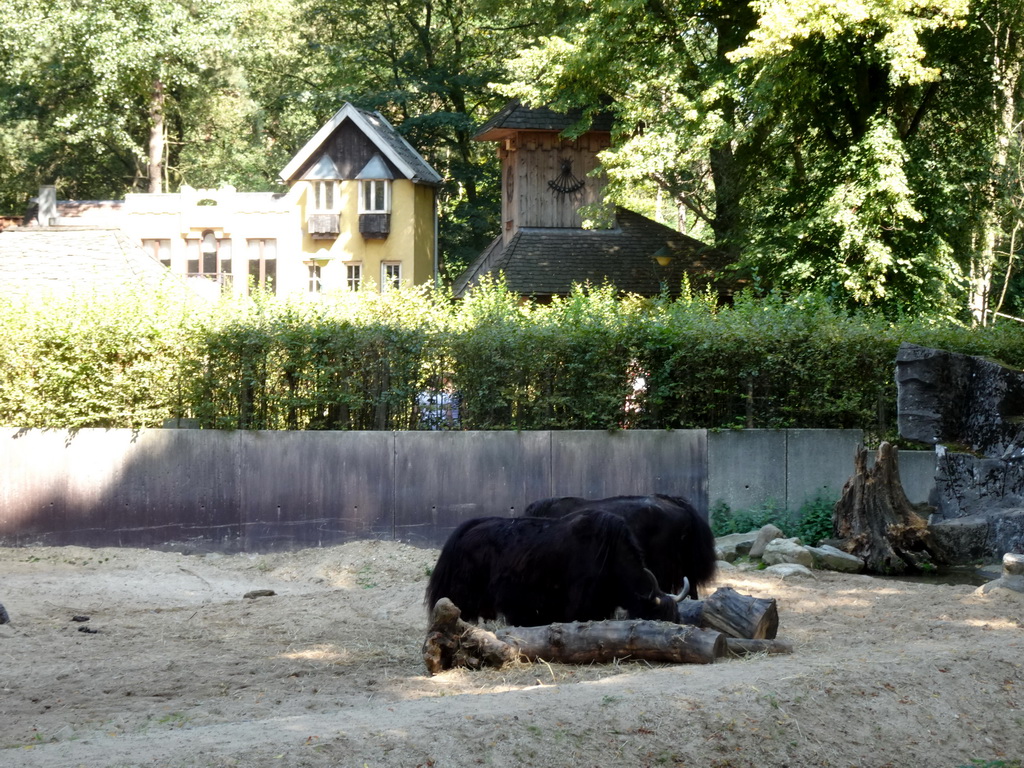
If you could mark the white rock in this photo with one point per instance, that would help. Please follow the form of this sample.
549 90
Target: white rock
829 558
790 571
787 551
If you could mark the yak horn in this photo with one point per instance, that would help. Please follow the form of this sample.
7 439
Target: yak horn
684 593
655 589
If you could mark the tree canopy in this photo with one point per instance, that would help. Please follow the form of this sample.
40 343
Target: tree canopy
865 149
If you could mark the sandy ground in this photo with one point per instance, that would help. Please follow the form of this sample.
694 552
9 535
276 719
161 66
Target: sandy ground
179 669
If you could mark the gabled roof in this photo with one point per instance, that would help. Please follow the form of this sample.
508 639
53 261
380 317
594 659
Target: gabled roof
380 132
515 117
547 262
45 261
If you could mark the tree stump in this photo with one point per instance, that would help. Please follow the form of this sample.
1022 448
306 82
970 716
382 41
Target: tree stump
876 521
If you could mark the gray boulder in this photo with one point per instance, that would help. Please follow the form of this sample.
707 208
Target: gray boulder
828 558
734 545
790 571
779 551
767 533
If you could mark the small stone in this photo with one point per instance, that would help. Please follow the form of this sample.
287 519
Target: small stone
1013 564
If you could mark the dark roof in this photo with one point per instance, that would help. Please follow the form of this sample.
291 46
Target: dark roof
44 261
422 169
516 117
547 262
380 132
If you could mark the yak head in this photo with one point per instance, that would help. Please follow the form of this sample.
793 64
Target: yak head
663 606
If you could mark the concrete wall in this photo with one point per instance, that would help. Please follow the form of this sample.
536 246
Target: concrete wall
257 491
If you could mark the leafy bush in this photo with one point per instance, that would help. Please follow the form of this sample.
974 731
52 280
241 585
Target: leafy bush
815 520
592 360
811 523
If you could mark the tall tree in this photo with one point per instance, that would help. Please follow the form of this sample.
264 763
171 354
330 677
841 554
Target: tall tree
848 146
108 89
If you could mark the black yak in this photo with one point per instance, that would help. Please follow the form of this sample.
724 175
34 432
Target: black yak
676 540
534 571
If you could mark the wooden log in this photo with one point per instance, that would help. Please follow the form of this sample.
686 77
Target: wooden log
877 523
452 642
604 641
734 614
740 646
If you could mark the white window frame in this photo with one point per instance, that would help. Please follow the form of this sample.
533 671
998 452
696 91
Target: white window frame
326 196
315 283
354 276
390 281
368 194
159 249
262 250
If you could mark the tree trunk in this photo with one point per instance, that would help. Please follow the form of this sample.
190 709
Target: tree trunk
877 522
156 139
699 639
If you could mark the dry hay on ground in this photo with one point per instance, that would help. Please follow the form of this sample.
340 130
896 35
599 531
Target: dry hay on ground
182 670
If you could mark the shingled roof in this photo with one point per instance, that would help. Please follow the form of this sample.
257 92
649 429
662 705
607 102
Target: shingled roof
515 117
44 261
379 131
547 262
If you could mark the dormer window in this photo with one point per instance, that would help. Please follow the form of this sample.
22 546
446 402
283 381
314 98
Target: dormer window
325 196
375 199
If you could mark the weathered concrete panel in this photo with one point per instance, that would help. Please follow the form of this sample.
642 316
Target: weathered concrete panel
33 484
597 464
917 474
120 488
818 463
443 478
311 489
747 467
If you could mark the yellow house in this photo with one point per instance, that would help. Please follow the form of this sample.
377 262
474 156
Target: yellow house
367 203
359 210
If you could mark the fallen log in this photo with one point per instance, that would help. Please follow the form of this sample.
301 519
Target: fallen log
452 642
733 614
741 646
600 642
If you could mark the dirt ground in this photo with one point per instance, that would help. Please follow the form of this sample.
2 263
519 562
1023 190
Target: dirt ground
175 667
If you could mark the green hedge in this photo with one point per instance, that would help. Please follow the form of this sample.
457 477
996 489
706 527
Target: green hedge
591 361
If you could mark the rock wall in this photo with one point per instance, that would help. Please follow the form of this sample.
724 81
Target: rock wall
972 410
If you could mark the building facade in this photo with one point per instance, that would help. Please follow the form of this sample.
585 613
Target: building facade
357 210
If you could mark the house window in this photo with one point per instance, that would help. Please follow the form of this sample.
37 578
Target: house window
375 196
159 250
210 258
325 196
263 264
390 275
353 276
314 277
